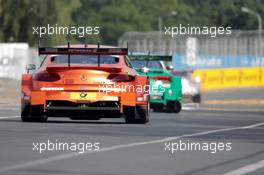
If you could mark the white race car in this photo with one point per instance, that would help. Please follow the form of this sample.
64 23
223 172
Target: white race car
190 87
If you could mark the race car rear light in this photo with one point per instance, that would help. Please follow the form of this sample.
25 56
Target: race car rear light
162 78
47 76
121 78
145 97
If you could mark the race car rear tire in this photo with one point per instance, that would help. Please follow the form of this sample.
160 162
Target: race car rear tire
137 115
196 98
157 107
174 106
33 114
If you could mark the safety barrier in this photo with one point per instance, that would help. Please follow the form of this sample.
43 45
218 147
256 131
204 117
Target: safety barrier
14 57
213 79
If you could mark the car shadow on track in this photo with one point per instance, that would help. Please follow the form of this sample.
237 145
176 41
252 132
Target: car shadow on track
84 122
66 121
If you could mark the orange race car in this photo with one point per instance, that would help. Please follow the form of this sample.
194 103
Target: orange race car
84 82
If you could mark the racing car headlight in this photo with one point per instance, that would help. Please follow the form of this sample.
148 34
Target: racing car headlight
197 79
170 92
144 69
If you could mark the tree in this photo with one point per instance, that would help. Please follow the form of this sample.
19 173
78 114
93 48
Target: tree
114 17
17 17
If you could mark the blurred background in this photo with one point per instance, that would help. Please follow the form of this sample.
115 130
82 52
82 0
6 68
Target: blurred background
227 70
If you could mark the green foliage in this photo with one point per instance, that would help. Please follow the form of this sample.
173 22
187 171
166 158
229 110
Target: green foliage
114 17
17 17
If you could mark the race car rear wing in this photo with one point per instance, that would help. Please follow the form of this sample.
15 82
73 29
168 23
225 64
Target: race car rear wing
150 57
81 51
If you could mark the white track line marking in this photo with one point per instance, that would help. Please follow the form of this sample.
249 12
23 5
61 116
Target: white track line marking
188 108
8 107
246 169
70 155
9 117
230 109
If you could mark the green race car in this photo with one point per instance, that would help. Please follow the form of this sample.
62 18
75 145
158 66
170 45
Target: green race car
165 88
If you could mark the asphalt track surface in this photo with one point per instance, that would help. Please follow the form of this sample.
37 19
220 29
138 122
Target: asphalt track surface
127 149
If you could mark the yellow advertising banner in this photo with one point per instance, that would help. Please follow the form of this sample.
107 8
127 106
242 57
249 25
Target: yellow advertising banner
212 79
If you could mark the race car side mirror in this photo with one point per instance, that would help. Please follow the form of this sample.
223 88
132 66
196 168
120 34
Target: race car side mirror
144 69
30 67
170 67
